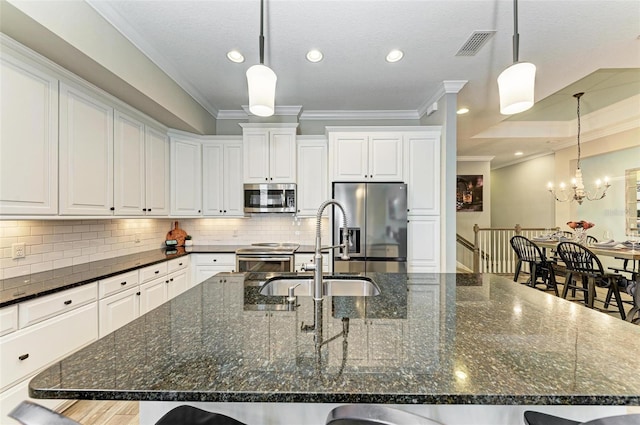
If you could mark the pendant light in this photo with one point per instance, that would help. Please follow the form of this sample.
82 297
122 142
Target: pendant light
516 83
261 81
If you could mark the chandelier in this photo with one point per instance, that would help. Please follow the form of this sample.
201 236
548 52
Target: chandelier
579 192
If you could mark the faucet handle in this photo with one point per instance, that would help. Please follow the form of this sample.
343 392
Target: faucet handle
307 267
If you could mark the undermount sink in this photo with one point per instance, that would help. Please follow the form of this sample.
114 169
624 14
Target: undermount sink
336 286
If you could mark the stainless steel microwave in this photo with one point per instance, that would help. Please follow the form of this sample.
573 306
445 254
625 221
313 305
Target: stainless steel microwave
270 198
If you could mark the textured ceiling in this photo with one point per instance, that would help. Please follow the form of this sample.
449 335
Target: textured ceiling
589 46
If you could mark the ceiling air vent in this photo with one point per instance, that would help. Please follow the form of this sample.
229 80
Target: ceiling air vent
475 43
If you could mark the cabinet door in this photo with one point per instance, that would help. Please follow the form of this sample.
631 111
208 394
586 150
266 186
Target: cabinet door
423 234
118 310
423 173
86 154
186 177
256 156
129 172
385 157
29 105
212 179
232 194
312 177
349 157
178 283
156 167
282 156
153 294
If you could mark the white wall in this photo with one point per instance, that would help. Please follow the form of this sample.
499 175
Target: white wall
565 164
519 194
609 212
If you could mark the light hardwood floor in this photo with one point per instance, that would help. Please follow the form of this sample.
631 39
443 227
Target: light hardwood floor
89 412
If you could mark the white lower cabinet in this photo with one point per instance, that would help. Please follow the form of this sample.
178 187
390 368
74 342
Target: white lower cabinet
126 296
178 282
153 294
207 265
27 351
423 240
118 310
8 319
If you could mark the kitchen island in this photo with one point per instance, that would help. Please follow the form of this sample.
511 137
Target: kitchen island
427 340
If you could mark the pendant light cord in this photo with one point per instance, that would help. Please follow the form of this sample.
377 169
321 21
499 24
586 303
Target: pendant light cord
261 32
516 36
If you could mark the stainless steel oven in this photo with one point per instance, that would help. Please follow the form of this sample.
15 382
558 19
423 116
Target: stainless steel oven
266 258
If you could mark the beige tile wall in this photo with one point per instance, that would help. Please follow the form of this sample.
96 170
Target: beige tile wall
52 244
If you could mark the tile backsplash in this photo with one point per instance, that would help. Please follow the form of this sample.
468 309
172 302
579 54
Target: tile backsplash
52 244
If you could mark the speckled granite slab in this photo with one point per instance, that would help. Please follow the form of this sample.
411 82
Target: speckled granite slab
460 339
23 288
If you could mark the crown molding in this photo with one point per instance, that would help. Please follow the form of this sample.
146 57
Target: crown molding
475 158
321 115
292 110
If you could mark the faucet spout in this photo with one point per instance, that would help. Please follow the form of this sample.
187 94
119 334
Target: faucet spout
317 275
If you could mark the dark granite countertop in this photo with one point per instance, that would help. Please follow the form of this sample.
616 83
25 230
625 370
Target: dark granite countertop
23 288
428 338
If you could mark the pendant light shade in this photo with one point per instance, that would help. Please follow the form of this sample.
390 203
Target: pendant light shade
262 90
516 87
261 81
516 83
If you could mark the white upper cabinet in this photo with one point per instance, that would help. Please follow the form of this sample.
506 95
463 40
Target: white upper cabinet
423 172
156 166
366 156
141 168
222 178
28 139
86 154
269 153
186 176
312 176
129 173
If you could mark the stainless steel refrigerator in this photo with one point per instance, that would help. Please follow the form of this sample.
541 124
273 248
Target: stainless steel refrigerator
377 221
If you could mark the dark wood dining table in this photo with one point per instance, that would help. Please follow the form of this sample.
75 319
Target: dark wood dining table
619 253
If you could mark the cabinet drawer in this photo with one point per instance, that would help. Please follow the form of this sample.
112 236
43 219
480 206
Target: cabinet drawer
115 284
8 319
177 264
13 396
152 272
215 259
34 311
26 351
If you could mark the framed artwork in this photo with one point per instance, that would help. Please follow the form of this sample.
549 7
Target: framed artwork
469 193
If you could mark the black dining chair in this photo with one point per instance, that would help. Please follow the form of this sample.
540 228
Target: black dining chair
539 267
585 272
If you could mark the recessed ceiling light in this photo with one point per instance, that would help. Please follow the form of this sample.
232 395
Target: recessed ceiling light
235 56
519 153
462 111
394 55
314 55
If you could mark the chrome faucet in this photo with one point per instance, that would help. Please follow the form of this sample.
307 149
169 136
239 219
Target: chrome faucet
317 267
